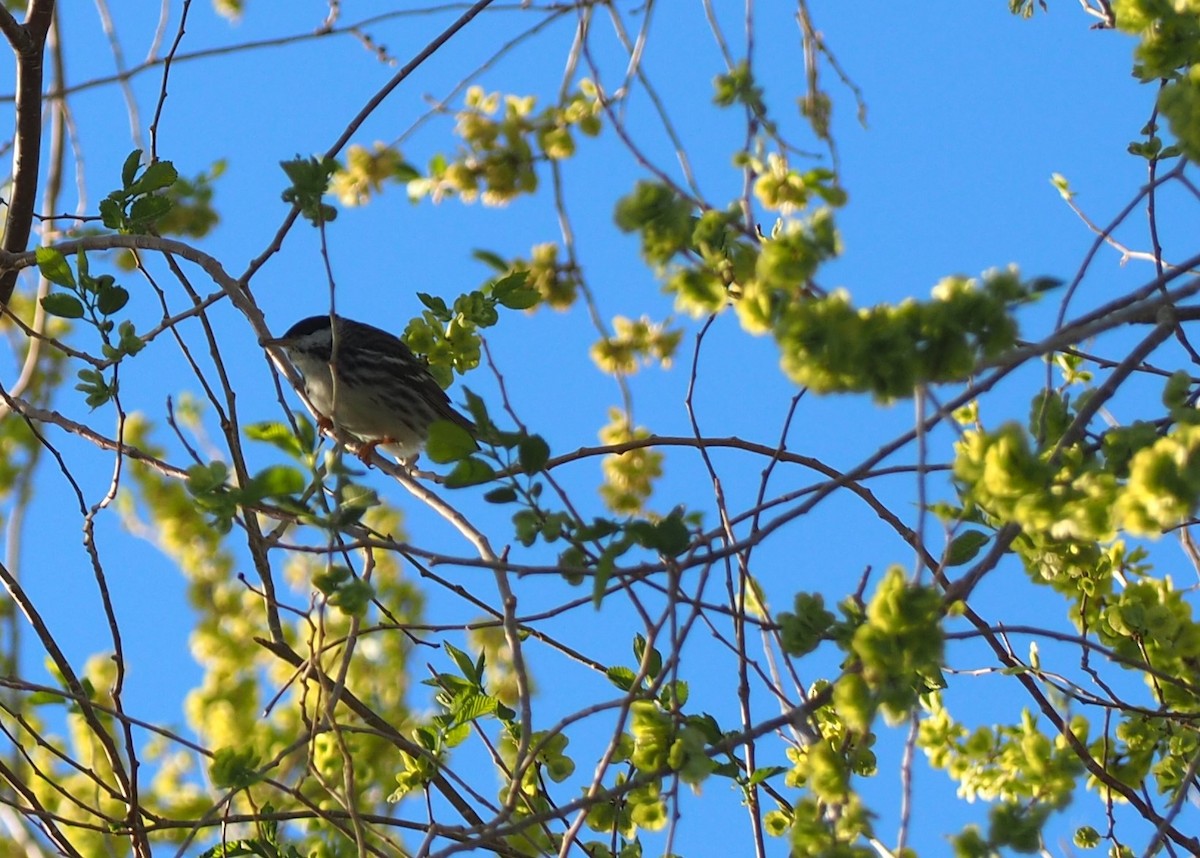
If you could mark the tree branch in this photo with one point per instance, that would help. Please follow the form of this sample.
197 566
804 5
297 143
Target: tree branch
28 41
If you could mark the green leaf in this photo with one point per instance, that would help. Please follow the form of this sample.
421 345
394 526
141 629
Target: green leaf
436 305
278 435
674 695
98 397
354 597
355 501
53 266
129 169
238 849
307 431
328 581
668 537
234 769
405 173
427 737
95 285
533 453
63 305
1175 392
491 259
601 574
466 664
95 387
457 735
112 299
526 526
1087 837
1043 284
598 529
111 214
803 631
449 442
504 494
478 410
515 292
310 180
203 479
159 175
621 676
671 536
278 481
146 210
654 663
130 343
522 300
472 706
707 725
728 770
965 546
763 773
469 472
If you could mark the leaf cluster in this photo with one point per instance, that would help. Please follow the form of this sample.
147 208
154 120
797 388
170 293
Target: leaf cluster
310 180
1167 51
141 201
214 493
94 300
449 335
504 138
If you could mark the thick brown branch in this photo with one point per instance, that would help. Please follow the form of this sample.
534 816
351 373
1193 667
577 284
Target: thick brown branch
16 34
28 41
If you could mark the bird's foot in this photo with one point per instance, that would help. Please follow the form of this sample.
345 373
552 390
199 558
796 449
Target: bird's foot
366 450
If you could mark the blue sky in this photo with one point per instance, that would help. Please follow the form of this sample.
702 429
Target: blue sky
969 112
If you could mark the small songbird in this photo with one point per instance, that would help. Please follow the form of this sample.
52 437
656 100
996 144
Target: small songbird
367 383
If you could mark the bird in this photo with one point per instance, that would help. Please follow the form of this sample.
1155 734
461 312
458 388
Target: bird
368 383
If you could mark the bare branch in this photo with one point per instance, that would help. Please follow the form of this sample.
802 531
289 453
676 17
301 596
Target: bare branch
29 46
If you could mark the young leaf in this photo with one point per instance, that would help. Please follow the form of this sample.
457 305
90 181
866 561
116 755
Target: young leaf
203 479
63 305
533 452
491 259
329 580
159 175
54 267
762 774
277 481
129 169
146 210
469 472
514 291
111 214
278 435
464 661
353 598
504 494
449 442
234 769
621 676
965 546
671 536
473 706
436 305
130 343
111 299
